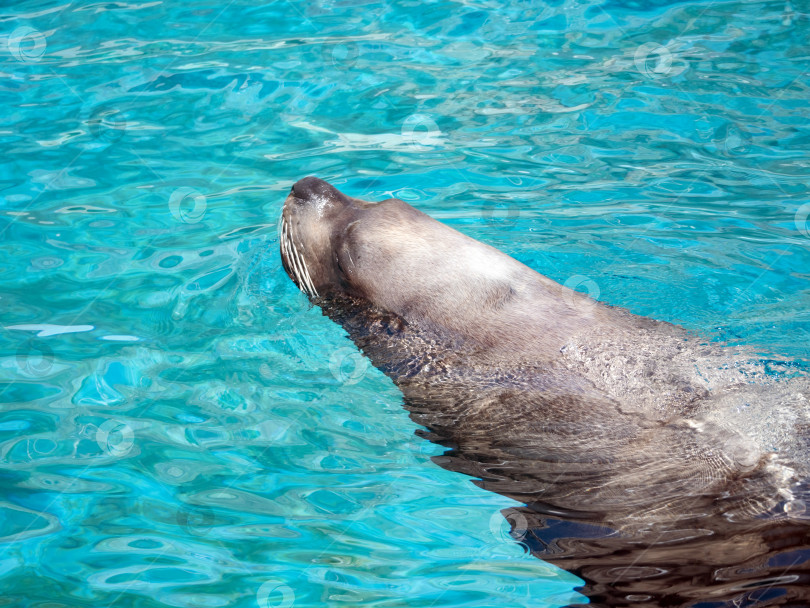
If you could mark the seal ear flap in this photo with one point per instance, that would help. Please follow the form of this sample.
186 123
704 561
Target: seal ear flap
344 262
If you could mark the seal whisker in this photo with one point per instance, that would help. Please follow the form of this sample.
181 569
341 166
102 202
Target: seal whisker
282 230
294 261
288 252
285 248
300 269
307 277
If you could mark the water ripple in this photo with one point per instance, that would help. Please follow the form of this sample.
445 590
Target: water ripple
172 431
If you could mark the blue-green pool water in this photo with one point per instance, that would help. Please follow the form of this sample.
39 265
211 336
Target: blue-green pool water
179 428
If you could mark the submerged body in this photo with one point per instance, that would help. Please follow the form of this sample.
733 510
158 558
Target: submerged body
586 413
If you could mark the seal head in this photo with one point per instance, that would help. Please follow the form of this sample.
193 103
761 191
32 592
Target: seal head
402 261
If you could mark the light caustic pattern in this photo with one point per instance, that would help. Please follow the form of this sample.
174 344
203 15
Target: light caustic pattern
178 427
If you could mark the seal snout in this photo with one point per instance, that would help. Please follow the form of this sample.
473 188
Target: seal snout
319 196
312 187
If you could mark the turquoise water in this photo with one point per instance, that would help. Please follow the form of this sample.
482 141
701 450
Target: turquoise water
179 428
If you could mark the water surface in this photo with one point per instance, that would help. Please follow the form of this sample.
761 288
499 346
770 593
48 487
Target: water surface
179 428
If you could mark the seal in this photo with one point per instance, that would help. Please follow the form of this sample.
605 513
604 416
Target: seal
583 412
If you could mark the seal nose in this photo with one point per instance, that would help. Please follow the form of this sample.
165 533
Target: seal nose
311 186
314 191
